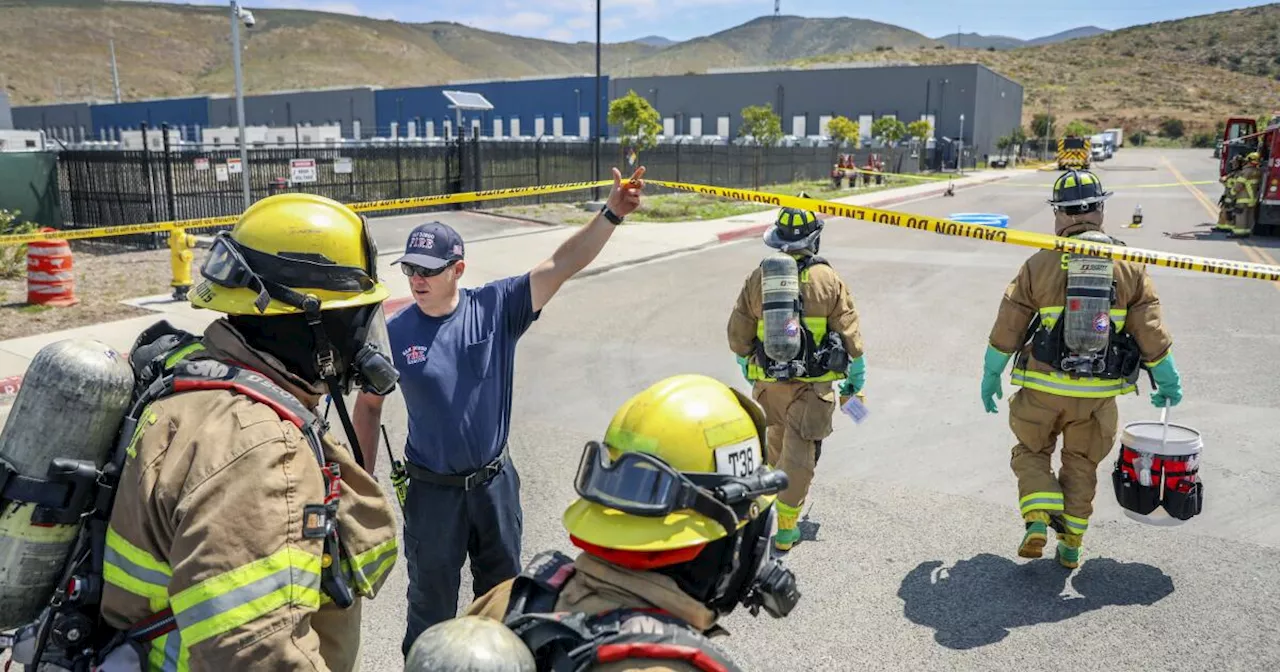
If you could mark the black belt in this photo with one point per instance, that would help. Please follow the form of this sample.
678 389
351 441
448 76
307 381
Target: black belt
466 481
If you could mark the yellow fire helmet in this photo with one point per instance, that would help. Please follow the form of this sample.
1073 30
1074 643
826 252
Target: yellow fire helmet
1253 157
288 247
671 452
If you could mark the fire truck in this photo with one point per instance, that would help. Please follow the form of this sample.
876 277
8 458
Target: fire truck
1074 152
1242 136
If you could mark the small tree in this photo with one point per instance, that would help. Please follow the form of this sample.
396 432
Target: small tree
888 129
1040 124
843 129
1018 137
1172 128
760 122
639 121
13 258
1078 128
1003 144
919 129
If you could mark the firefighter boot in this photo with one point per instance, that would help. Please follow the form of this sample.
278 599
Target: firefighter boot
1036 536
1069 549
788 534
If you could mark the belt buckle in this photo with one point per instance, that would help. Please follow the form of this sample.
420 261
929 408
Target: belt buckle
481 476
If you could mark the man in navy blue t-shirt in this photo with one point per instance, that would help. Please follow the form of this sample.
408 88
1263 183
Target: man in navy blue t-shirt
455 351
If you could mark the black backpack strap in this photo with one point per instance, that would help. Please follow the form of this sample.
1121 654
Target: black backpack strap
537 588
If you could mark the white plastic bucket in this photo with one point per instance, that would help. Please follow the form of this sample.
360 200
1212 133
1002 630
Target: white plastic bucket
1156 444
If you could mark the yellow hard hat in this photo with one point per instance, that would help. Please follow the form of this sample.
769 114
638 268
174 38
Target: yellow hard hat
1252 156
288 247
692 424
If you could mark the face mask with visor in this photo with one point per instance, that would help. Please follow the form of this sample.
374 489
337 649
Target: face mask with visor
272 276
643 485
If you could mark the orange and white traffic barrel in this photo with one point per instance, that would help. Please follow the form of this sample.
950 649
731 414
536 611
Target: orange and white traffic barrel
50 276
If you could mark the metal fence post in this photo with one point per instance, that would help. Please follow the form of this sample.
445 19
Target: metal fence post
399 174
171 199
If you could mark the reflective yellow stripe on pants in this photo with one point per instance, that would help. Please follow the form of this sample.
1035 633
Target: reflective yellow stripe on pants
1075 525
1042 501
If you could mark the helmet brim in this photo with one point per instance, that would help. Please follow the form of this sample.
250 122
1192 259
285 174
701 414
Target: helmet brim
240 300
611 528
772 239
1081 201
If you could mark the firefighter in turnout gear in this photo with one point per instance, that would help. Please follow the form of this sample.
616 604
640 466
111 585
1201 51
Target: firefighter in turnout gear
1247 185
1227 202
1079 329
674 518
794 330
243 536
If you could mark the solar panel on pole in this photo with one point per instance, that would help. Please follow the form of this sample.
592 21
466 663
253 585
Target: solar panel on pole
466 100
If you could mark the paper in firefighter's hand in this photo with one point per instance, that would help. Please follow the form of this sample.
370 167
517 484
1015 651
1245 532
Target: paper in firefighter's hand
854 408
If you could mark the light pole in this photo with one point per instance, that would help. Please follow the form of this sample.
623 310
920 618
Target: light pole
595 160
960 157
238 15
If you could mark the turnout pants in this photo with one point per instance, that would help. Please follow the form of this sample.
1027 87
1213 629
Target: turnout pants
1088 430
1245 219
798 417
444 525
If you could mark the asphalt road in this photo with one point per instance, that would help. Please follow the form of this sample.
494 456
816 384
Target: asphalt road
908 561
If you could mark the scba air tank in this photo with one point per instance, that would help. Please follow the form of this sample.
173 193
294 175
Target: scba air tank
1088 308
780 285
73 399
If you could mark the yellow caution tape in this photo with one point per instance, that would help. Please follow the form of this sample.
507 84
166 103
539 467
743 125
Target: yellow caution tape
371 206
946 227
889 217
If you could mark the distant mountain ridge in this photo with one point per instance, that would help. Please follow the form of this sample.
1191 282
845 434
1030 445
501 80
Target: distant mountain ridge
979 41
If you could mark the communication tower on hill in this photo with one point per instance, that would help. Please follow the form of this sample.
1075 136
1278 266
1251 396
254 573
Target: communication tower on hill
777 8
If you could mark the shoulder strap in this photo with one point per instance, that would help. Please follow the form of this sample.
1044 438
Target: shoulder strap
211 374
649 635
536 589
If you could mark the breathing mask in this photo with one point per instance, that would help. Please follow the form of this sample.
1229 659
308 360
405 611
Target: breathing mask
735 569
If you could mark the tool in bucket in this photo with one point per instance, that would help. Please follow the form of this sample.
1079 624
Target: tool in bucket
1156 475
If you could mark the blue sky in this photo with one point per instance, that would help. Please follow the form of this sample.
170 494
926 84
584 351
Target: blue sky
572 20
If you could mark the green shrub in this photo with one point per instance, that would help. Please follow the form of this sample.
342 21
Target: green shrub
13 258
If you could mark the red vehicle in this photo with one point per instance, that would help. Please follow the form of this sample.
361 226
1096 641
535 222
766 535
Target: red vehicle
1242 136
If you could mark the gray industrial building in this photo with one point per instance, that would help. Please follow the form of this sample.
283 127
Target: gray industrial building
804 99
314 107
64 121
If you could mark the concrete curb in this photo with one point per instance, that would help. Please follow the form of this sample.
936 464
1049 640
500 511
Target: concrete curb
757 229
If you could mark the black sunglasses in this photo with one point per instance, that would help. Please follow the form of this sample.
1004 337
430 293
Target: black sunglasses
412 270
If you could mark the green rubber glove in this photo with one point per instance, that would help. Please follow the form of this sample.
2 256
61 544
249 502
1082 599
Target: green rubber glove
742 363
855 377
992 366
1168 383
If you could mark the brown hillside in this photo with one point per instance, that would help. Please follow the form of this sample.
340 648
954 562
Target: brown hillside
1185 69
1198 69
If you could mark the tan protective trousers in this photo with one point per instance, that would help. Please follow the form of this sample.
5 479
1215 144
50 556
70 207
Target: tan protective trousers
1245 220
798 416
1088 430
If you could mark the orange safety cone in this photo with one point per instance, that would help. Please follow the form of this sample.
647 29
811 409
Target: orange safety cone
50 277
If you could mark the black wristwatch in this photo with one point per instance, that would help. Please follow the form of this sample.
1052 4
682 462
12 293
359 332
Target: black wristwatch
611 215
